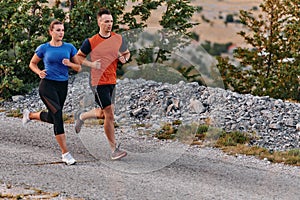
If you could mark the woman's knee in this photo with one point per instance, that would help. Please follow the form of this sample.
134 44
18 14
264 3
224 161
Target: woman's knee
58 115
47 117
58 123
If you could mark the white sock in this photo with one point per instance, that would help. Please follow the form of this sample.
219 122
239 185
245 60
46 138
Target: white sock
65 154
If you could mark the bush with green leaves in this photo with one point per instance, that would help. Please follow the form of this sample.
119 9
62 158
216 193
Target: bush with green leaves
272 65
155 72
24 26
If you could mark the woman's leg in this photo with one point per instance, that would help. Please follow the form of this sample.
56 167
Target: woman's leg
61 140
53 94
35 115
59 121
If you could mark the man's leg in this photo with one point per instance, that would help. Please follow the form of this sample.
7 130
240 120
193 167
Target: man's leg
96 113
109 128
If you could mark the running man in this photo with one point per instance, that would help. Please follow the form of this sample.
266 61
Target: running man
105 50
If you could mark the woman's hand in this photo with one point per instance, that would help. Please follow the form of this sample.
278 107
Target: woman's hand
66 62
72 65
42 74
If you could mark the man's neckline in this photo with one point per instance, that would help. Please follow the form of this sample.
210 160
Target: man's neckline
104 36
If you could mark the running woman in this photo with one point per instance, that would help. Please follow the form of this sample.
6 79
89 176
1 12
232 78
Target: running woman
58 57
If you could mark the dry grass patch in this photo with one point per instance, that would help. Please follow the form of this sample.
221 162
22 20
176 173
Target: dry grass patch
14 113
232 143
291 157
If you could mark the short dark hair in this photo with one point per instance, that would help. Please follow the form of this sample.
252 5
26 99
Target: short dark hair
103 11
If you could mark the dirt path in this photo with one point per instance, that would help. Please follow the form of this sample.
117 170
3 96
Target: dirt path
30 159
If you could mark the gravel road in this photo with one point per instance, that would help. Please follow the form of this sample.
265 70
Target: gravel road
31 157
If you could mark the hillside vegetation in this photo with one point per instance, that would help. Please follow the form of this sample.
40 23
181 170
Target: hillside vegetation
271 29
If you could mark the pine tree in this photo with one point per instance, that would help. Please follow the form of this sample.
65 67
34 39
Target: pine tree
270 67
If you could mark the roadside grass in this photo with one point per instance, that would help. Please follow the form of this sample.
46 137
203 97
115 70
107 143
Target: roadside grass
14 113
232 143
14 192
68 119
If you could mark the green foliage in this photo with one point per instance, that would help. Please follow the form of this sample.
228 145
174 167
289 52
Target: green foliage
186 133
178 14
140 11
177 122
14 113
167 132
175 130
201 132
294 152
232 139
216 49
202 129
23 29
176 22
233 143
24 26
158 73
271 66
8 80
233 76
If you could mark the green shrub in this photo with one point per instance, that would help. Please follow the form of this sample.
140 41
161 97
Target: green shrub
155 72
166 132
232 139
9 83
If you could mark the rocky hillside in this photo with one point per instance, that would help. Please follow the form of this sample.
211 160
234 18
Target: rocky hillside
273 121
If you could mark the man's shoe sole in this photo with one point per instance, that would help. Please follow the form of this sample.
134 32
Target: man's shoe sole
119 157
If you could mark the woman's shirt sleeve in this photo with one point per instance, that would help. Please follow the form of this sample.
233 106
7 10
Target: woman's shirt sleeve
40 51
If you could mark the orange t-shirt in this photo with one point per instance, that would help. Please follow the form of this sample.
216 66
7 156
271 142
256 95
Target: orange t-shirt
106 50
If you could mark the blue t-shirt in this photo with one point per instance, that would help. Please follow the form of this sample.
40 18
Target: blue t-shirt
52 57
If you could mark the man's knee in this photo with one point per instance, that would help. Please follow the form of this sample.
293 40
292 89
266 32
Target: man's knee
108 113
99 113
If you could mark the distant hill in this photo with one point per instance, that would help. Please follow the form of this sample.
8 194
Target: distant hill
212 17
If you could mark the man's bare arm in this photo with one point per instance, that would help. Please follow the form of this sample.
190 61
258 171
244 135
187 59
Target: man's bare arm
83 61
124 56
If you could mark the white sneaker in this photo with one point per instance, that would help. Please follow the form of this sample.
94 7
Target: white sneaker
25 119
68 159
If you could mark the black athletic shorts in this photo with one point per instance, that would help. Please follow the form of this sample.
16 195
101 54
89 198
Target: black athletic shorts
104 95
